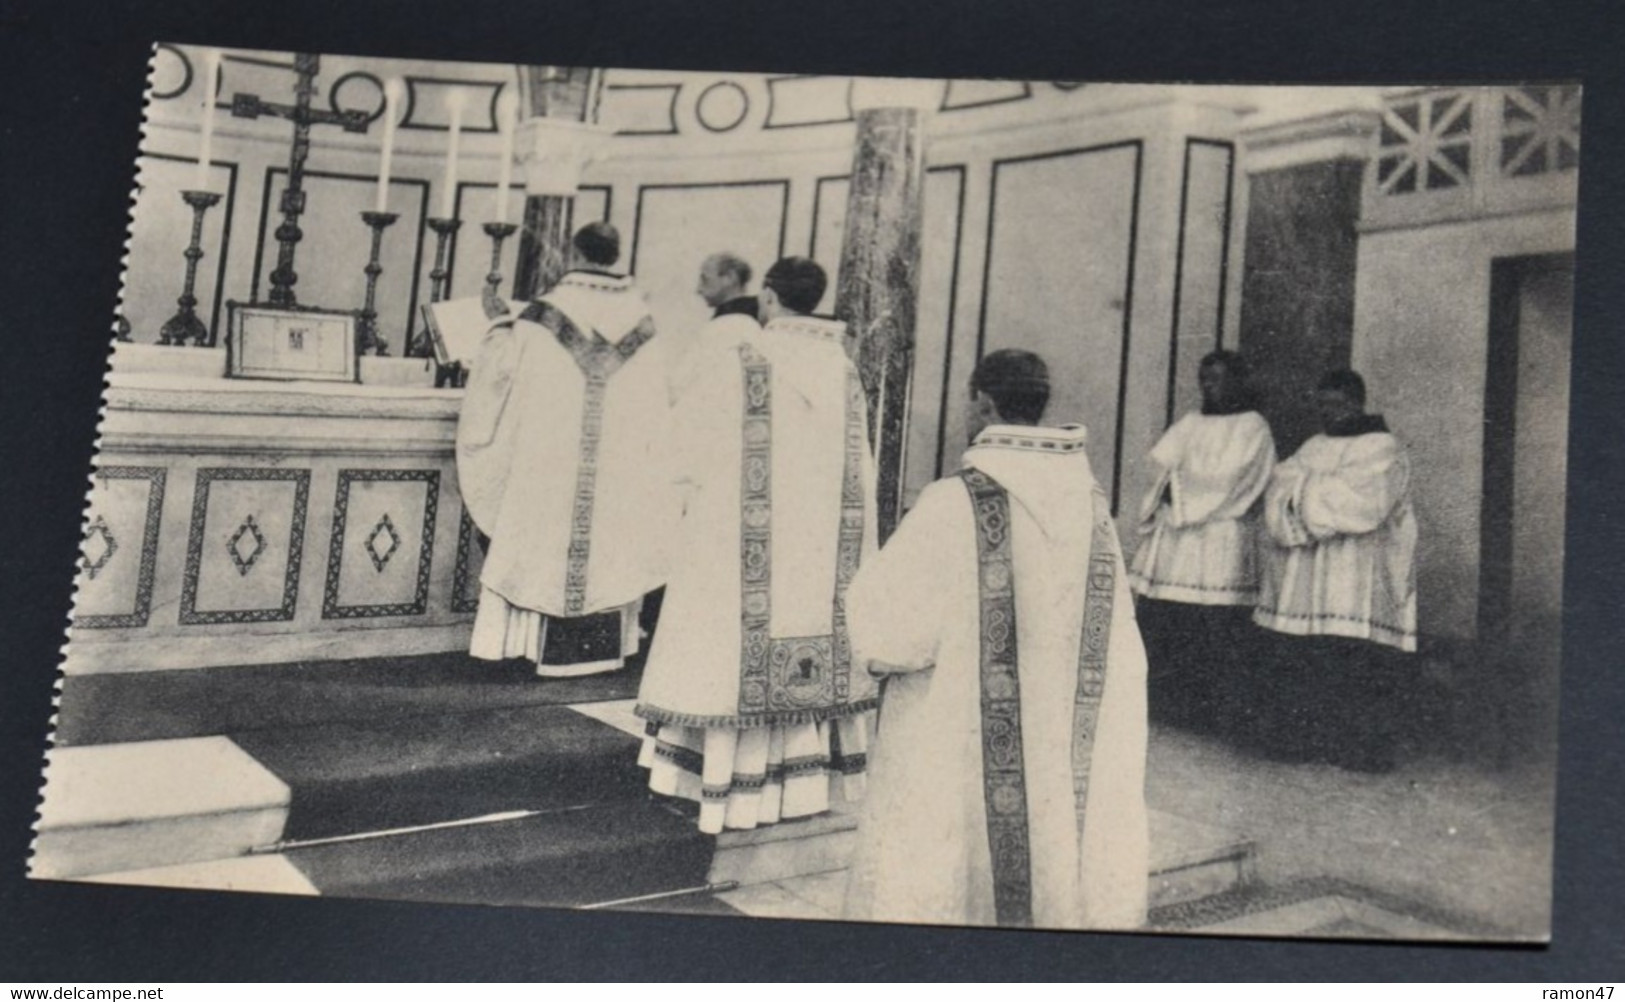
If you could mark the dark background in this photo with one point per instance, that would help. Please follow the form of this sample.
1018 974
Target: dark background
70 111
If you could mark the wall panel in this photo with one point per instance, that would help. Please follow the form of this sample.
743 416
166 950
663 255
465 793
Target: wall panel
1202 269
1059 281
333 253
679 225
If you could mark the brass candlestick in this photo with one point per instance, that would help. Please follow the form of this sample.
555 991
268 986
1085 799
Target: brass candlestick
367 337
185 325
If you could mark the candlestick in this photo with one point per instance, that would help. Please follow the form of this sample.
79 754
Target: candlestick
448 184
211 74
443 230
498 232
393 92
505 113
367 337
185 324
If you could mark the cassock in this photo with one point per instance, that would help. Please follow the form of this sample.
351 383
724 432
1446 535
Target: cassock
1338 592
1196 567
754 706
1007 778
560 450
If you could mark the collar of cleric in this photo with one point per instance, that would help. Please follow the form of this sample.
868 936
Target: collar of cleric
1359 424
1031 438
745 306
597 281
822 328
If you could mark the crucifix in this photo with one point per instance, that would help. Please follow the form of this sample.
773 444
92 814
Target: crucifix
300 113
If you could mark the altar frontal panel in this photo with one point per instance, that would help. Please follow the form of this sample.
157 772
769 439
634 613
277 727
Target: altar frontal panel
382 544
245 545
119 552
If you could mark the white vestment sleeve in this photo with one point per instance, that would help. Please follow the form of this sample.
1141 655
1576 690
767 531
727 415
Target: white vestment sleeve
1165 458
484 428
895 606
1360 494
1281 517
1224 483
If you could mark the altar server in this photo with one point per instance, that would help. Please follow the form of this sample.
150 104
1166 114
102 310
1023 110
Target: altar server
1339 586
1008 771
756 709
559 456
1195 569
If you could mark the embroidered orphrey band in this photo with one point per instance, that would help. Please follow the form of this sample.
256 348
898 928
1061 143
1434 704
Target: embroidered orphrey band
791 675
1004 784
1004 781
849 546
1098 596
598 360
756 530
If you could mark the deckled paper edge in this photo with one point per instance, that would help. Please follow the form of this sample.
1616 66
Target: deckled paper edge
64 652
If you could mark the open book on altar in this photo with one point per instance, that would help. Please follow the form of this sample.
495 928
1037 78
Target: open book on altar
456 328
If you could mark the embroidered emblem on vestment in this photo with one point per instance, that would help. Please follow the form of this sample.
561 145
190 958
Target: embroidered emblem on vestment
788 674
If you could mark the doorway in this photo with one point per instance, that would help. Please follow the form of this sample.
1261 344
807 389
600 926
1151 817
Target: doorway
1526 426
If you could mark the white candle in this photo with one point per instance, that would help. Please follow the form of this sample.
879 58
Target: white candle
211 73
393 93
505 121
448 183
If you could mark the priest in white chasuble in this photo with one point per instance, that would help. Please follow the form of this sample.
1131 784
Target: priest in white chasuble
755 708
1195 568
1338 588
1007 777
560 454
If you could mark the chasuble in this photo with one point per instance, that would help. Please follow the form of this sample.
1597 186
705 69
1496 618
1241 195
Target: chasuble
560 456
755 707
1007 774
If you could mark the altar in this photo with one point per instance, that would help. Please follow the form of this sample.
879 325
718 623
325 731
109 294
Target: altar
244 521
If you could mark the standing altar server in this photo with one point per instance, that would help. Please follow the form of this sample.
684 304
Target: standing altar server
559 451
1339 587
1008 777
1196 567
755 708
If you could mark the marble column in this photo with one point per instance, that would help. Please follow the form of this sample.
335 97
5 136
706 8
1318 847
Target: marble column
878 289
554 93
1302 241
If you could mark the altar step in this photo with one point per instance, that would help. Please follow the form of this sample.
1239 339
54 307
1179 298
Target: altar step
590 855
149 804
797 869
391 805
364 776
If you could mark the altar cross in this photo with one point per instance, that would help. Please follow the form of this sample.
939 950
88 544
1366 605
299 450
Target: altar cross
300 113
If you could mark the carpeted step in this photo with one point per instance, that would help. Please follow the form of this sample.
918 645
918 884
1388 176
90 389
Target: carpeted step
369 775
569 858
148 706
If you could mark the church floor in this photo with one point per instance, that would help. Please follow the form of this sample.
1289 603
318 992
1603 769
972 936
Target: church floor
1439 847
